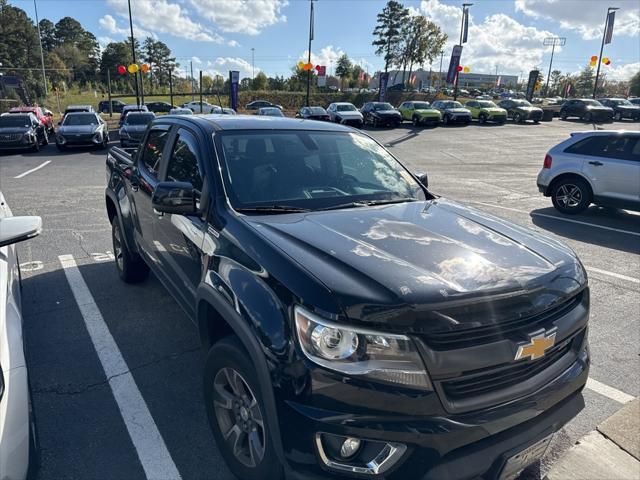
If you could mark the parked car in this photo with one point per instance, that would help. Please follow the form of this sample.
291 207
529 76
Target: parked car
159 107
520 110
77 108
452 112
19 131
180 111
134 127
205 107
586 109
228 111
19 456
270 112
129 109
420 113
257 104
353 323
601 167
313 113
345 113
622 108
486 111
484 97
380 114
634 101
116 106
82 129
41 115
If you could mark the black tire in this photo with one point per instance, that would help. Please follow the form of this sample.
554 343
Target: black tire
36 145
445 119
563 115
131 269
415 120
45 138
482 118
517 118
536 122
618 117
34 443
587 117
62 148
105 142
229 358
571 195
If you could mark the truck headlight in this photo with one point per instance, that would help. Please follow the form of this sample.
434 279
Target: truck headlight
358 352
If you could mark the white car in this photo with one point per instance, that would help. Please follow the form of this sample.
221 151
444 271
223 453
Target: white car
180 111
345 113
18 438
205 107
601 167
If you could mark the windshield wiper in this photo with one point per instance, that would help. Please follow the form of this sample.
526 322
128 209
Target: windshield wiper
367 203
272 209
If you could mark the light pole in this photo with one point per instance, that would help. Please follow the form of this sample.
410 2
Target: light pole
309 57
553 41
253 64
44 78
133 53
604 36
465 18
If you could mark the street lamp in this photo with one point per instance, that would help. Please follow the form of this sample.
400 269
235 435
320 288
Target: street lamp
552 41
604 36
253 64
463 27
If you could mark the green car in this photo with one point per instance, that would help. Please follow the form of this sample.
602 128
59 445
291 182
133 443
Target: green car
486 111
420 113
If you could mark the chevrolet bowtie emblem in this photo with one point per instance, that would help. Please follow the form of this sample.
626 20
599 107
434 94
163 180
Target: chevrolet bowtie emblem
537 345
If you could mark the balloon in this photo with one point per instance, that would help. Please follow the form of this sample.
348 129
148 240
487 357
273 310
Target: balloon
606 61
145 67
308 66
301 65
466 69
122 69
318 67
594 58
133 68
459 68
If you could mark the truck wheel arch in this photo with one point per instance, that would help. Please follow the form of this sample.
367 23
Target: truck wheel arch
217 319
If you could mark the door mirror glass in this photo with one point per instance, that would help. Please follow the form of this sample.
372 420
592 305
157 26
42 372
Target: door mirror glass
174 197
19 229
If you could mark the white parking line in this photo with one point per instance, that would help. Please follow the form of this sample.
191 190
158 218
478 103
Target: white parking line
562 219
33 169
609 392
152 451
613 274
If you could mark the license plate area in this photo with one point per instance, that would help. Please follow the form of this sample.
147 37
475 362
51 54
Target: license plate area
521 460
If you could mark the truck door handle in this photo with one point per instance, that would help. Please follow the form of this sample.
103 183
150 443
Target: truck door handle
596 163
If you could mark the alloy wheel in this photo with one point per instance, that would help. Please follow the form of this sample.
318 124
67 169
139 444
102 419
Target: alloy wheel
239 417
117 246
569 195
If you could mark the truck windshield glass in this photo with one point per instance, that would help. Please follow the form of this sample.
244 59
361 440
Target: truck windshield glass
421 105
486 104
15 121
138 119
382 106
311 170
89 119
346 108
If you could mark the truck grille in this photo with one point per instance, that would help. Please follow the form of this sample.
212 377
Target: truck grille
517 328
492 379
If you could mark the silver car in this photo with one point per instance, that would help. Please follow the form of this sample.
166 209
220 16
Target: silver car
345 113
601 167
18 439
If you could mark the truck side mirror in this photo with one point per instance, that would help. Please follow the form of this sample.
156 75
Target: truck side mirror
174 197
19 229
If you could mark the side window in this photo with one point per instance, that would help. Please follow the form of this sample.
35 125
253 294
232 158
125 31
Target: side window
635 151
152 151
183 163
620 147
472 104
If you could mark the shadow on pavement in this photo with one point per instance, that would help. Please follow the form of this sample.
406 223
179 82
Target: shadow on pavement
604 217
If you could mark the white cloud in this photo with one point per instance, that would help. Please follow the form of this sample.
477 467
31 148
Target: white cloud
233 43
242 16
620 72
162 16
498 40
587 18
110 24
222 65
325 56
196 60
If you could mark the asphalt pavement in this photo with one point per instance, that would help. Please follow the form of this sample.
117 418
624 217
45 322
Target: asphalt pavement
84 432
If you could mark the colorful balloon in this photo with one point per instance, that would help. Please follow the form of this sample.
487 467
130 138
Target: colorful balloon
301 65
122 69
459 68
145 67
466 69
133 68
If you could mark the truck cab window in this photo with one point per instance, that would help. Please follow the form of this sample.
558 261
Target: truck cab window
183 164
152 151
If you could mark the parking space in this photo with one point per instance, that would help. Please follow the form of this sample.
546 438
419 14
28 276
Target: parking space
116 369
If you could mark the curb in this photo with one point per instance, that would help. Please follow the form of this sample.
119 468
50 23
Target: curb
612 451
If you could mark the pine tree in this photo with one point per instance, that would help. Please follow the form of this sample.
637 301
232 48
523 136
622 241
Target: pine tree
343 69
387 32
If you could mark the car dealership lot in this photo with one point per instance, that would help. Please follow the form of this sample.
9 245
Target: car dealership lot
90 421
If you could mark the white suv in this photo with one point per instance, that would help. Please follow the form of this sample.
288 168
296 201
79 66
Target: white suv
601 167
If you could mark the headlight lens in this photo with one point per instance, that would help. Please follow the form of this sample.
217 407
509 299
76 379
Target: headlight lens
357 352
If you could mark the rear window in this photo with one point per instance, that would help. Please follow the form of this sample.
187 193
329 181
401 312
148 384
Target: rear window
142 119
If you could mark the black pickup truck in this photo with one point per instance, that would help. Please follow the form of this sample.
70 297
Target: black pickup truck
354 324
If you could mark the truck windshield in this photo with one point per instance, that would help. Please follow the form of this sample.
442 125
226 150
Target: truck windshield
346 108
138 119
311 170
80 119
7 121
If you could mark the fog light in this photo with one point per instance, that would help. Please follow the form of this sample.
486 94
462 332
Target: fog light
349 447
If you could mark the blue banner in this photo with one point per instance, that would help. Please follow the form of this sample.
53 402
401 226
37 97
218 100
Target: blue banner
454 63
382 93
234 80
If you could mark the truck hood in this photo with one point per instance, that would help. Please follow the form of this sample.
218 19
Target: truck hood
418 255
73 129
349 114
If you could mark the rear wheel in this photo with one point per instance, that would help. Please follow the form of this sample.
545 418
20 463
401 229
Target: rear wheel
482 118
131 269
571 195
415 120
563 115
36 145
517 118
618 116
446 120
587 117
236 412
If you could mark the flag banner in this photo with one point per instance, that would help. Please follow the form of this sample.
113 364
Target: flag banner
454 63
311 27
498 81
465 24
234 80
382 93
609 28
531 84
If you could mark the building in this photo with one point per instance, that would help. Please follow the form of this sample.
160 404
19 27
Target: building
421 78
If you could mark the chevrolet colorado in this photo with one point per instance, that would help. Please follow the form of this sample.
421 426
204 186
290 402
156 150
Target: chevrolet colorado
354 324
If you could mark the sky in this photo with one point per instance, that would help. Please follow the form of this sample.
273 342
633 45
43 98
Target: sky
218 35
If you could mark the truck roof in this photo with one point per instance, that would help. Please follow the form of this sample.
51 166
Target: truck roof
254 122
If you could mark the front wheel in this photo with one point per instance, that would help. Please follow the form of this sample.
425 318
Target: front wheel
445 120
517 118
617 116
563 115
482 118
415 121
236 412
571 195
131 269
588 117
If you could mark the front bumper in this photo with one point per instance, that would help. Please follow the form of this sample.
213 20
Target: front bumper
351 122
459 118
431 120
391 120
78 140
